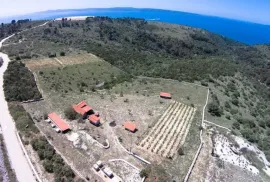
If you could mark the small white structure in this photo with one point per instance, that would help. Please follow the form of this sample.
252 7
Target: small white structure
99 164
96 167
48 120
108 172
53 125
57 130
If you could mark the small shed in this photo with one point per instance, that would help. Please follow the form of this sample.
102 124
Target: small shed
95 120
130 126
165 95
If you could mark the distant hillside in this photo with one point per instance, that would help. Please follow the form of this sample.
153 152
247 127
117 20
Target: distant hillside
249 33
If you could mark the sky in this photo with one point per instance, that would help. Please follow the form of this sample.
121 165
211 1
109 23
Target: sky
257 11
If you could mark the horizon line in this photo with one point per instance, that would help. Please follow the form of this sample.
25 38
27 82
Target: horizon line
77 9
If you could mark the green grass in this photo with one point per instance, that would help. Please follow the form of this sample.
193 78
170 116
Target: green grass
79 78
181 91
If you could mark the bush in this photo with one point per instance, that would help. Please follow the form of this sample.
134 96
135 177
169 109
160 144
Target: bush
71 114
214 109
48 166
180 151
62 53
145 173
236 125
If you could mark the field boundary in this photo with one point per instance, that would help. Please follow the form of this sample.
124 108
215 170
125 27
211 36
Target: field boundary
209 122
201 144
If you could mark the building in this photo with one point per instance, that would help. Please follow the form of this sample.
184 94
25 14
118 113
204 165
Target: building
61 124
83 109
94 119
130 126
165 95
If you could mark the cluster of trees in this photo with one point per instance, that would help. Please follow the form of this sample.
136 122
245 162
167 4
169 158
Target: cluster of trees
23 120
13 27
19 83
52 162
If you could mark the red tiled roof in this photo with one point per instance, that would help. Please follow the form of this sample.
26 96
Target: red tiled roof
165 94
61 124
94 119
130 126
82 108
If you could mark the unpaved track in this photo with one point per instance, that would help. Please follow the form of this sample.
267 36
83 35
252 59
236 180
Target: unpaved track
18 161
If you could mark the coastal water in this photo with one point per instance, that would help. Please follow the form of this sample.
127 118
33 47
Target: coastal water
249 33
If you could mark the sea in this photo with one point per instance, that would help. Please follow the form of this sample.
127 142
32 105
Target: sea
245 32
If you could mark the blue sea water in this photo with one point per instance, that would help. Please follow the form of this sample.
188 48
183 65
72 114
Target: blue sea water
245 32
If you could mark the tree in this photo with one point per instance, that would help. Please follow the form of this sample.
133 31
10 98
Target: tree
48 166
180 151
13 21
62 53
236 125
214 109
145 172
71 114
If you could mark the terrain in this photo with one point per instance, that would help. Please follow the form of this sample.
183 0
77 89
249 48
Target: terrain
119 66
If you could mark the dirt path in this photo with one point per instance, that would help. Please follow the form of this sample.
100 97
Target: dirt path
18 161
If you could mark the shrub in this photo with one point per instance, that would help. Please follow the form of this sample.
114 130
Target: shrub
71 114
235 101
145 173
48 166
236 125
62 53
214 109
203 83
180 151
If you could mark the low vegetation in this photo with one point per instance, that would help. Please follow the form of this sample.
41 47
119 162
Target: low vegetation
19 83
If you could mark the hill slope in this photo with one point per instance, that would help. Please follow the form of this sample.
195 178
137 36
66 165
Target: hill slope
238 75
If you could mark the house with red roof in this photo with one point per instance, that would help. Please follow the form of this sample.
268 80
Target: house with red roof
130 126
83 109
165 95
61 124
94 119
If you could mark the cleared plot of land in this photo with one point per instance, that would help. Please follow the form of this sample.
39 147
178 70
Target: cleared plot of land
170 131
40 64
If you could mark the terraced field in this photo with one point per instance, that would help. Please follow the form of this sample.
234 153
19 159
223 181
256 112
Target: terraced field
170 132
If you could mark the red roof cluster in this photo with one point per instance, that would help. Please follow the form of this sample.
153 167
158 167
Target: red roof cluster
165 95
82 108
130 126
61 124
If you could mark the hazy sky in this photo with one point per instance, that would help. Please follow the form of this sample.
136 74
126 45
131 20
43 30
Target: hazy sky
248 10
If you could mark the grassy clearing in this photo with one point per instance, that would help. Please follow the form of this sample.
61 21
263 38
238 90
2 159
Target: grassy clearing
80 78
82 57
186 93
